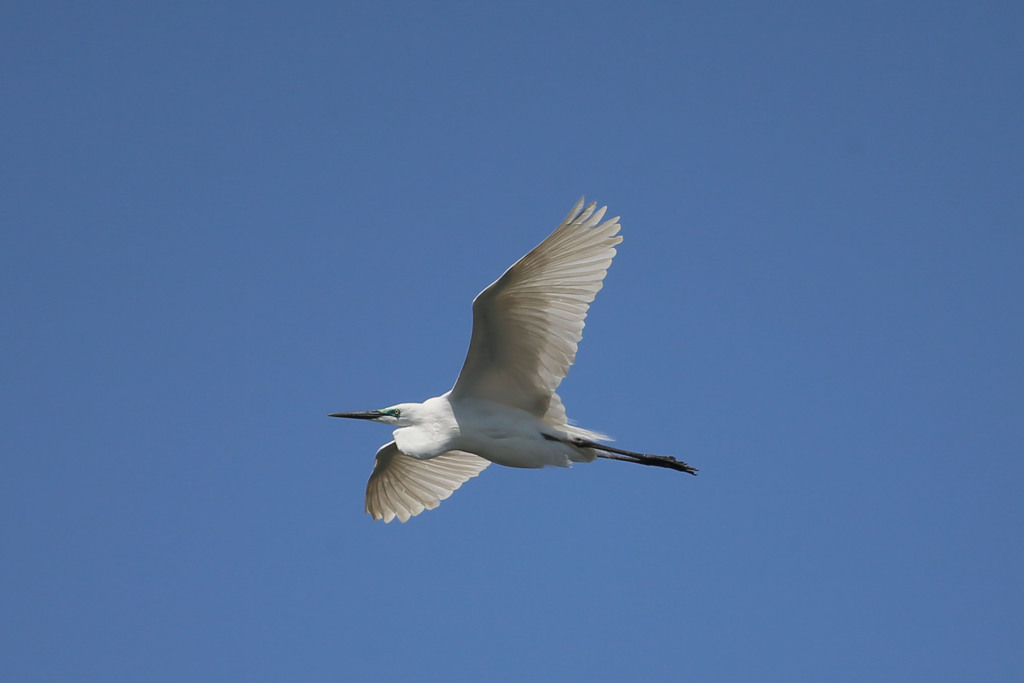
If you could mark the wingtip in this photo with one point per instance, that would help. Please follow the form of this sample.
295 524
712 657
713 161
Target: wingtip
576 210
582 212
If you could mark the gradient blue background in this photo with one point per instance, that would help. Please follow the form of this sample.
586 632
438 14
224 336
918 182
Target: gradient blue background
222 221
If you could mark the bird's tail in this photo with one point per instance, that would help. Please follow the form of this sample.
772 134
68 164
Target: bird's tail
574 432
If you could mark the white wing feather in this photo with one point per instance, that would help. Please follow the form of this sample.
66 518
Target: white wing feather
528 323
403 487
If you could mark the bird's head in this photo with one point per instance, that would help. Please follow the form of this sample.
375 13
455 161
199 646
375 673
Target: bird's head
400 415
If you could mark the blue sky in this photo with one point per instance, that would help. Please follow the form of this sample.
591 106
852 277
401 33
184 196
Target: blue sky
222 221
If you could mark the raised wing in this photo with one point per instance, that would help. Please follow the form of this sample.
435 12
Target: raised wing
528 323
403 487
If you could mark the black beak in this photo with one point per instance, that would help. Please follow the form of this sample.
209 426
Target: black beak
364 415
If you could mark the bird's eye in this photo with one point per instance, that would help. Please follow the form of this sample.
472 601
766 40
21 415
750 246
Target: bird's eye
394 412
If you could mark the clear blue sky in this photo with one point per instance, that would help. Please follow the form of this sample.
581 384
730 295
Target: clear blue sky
222 221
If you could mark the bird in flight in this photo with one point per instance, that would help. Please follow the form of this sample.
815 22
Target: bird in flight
503 407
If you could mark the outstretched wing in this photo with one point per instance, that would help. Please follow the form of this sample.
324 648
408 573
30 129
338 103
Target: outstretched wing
528 323
403 487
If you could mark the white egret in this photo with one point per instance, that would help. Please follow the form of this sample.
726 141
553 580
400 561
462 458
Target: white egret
503 407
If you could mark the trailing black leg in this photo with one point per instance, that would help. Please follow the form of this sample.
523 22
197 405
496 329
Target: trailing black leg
612 453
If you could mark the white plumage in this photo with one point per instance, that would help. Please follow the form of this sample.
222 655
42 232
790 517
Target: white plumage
503 407
528 323
404 487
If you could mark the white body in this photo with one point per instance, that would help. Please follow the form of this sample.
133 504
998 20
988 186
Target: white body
498 433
